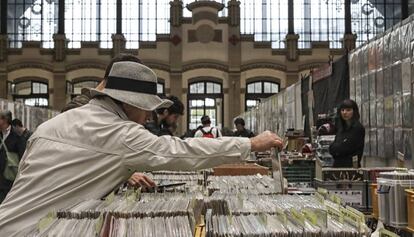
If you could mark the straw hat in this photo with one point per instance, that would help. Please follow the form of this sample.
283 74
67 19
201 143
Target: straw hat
134 84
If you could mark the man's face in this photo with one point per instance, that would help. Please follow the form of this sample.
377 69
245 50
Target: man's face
137 115
2 123
171 119
239 127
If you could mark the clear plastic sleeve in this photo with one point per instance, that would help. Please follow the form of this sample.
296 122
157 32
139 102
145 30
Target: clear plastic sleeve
380 83
381 142
396 78
389 111
380 112
397 110
389 143
373 142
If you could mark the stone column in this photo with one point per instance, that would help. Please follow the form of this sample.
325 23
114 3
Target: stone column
3 84
3 47
176 47
349 39
60 47
59 90
292 47
119 44
291 38
291 78
234 52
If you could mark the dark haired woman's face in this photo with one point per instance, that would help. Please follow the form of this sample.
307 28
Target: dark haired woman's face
347 113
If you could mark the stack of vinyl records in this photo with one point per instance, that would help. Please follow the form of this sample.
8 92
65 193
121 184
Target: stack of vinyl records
240 206
149 205
254 184
272 225
278 215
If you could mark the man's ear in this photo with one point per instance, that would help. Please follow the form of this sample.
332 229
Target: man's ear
165 113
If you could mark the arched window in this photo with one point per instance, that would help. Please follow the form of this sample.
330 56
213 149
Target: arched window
33 93
75 89
205 98
259 90
160 88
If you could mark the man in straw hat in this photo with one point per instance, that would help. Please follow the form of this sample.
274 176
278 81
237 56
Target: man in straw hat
86 152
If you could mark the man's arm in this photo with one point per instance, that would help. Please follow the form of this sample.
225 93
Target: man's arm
146 152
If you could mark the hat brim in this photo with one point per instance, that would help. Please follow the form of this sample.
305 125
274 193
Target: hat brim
142 101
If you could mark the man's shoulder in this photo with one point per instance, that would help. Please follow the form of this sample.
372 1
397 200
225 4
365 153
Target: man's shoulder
78 101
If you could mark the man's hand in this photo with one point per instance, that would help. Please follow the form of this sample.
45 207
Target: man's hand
265 141
140 180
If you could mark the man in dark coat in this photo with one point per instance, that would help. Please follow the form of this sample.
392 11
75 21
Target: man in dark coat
166 118
15 143
241 131
21 130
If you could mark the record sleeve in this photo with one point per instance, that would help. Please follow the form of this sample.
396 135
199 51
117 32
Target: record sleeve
406 111
365 114
379 54
380 113
406 76
398 141
396 45
407 143
389 143
397 111
396 78
389 111
387 50
373 142
381 142
372 86
365 88
379 83
373 113
388 83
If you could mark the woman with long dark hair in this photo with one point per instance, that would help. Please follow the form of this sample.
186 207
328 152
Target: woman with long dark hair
349 140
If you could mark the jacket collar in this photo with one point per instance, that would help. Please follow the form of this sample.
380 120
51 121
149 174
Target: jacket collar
108 104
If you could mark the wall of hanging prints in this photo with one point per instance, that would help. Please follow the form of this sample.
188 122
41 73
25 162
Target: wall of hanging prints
31 117
381 82
381 76
277 113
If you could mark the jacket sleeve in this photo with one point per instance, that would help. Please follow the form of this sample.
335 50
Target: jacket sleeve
353 145
146 152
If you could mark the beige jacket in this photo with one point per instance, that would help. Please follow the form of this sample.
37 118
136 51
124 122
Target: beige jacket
86 152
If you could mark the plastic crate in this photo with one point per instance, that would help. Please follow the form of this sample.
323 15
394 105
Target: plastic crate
354 194
410 208
300 171
371 174
373 202
344 174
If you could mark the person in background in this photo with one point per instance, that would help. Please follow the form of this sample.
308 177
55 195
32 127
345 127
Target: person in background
241 131
164 120
137 179
348 145
207 130
14 143
21 130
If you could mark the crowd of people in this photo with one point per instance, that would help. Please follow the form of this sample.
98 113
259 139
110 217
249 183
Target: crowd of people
13 137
